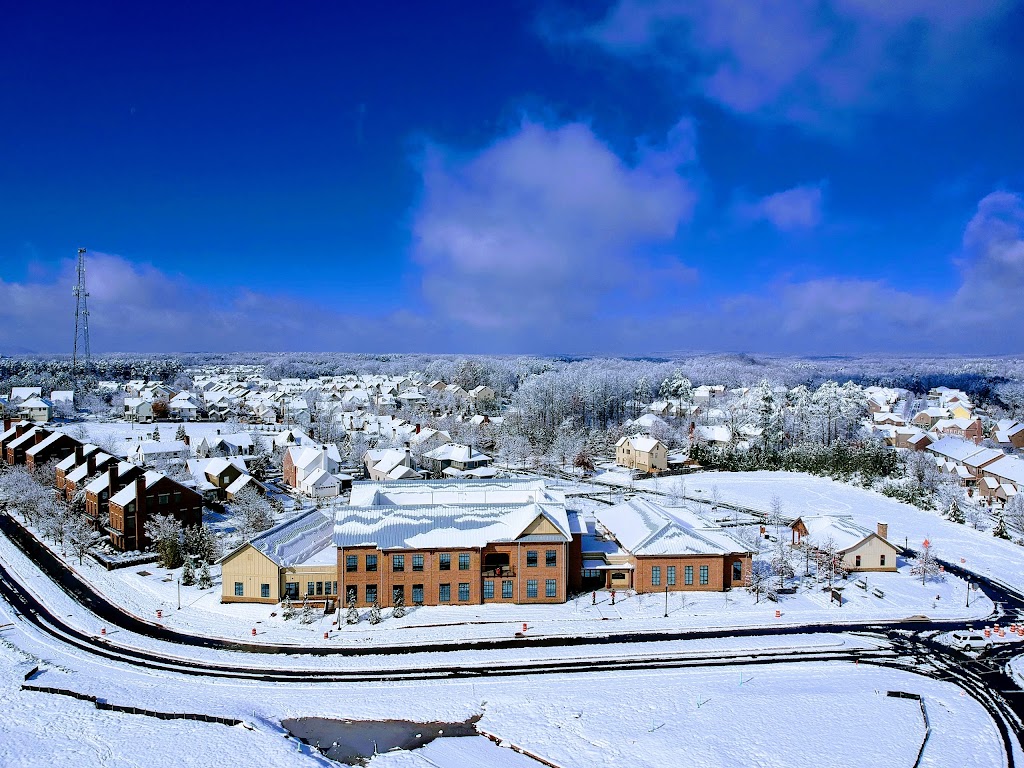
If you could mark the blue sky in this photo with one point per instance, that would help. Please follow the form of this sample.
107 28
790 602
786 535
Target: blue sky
824 177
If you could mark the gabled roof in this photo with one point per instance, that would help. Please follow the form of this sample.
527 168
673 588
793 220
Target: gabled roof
127 493
644 528
845 533
293 542
431 526
954 448
456 452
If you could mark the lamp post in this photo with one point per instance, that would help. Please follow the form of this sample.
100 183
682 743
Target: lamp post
179 593
666 601
968 593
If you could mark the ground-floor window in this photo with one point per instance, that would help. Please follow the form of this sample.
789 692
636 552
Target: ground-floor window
397 593
310 587
531 587
371 593
857 561
239 589
445 593
703 574
688 575
417 594
881 559
350 594
488 589
264 590
463 592
737 571
291 589
550 588
506 589
671 575
319 587
591 573
656 575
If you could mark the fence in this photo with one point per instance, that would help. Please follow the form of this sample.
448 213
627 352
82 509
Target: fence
924 714
103 704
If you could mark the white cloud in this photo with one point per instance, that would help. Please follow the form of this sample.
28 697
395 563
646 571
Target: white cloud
547 228
790 210
816 64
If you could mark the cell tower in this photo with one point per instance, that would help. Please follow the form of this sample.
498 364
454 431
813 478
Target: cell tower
82 356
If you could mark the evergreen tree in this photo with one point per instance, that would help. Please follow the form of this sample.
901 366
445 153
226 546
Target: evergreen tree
308 614
188 573
1000 531
205 580
352 615
181 434
399 605
287 608
955 513
375 613
156 434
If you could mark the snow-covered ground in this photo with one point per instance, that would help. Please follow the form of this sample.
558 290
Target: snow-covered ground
792 715
121 435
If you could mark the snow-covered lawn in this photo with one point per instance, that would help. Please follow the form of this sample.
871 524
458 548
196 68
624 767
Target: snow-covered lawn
803 494
41 730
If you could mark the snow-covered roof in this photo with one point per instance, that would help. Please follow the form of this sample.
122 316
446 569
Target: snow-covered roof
100 483
842 530
503 492
456 452
644 443
127 493
46 442
430 526
954 448
296 541
645 528
1007 468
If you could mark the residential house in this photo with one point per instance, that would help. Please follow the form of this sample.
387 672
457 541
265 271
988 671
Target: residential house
1010 434
213 476
860 548
37 409
118 475
138 410
390 464
927 418
641 452
454 459
151 494
149 451
969 429
53 447
300 461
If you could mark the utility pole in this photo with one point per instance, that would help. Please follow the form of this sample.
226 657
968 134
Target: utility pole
81 355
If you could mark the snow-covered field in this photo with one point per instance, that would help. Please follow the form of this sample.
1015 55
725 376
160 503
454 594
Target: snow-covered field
808 714
120 435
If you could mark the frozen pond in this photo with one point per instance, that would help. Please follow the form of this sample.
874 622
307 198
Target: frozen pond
356 741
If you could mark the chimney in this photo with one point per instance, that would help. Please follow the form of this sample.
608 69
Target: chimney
21 428
112 479
883 530
140 496
417 429
218 431
90 463
7 423
79 454
41 434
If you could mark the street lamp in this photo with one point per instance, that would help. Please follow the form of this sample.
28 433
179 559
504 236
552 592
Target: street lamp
968 593
666 601
179 593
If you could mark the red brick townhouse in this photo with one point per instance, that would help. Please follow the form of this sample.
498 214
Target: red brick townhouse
149 495
98 492
660 549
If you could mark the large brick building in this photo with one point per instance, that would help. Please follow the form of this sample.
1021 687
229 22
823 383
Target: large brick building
457 542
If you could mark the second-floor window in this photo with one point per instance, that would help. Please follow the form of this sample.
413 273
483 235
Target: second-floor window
351 563
551 558
531 559
464 561
371 562
444 562
398 563
417 562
